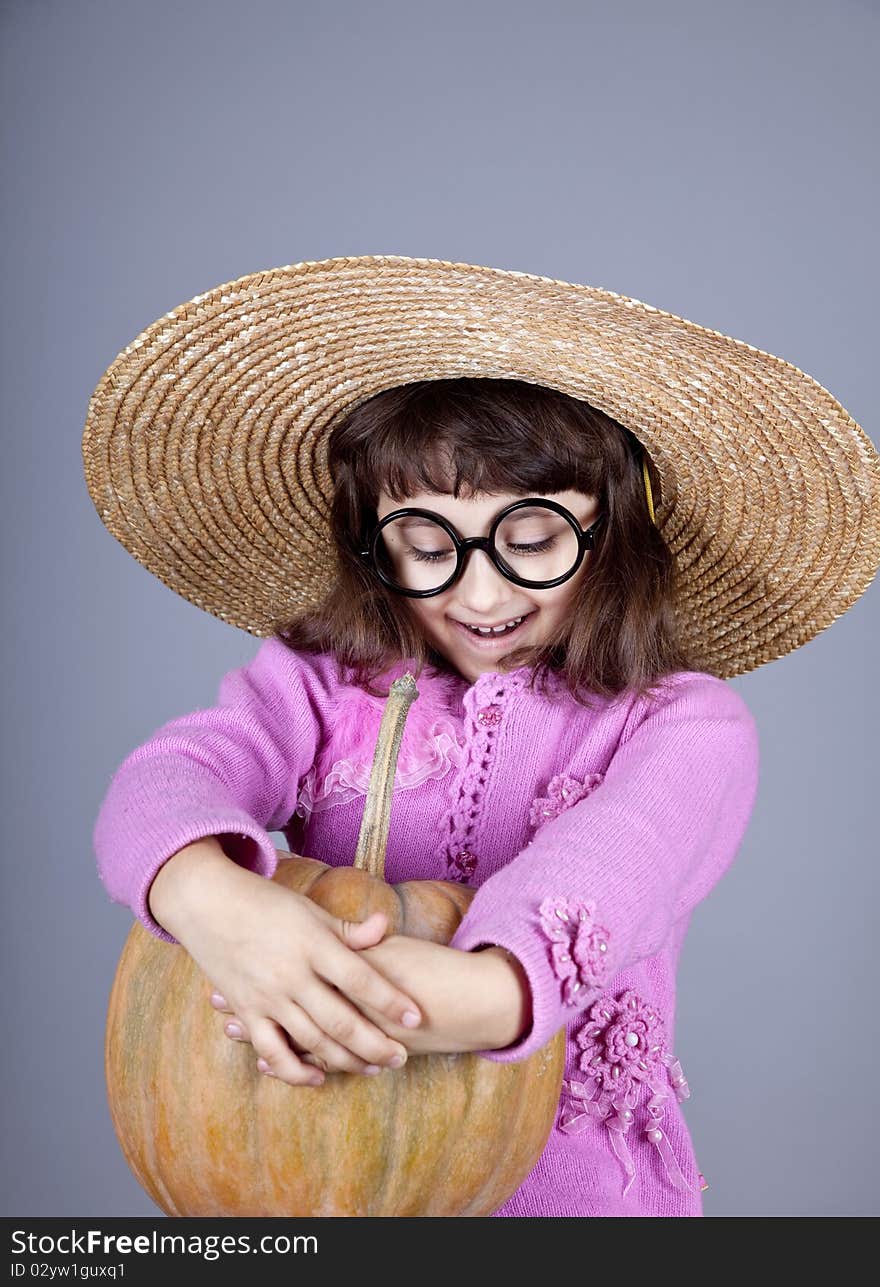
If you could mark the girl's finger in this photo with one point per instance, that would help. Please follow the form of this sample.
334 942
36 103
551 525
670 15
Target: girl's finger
310 1042
302 1038
309 1039
343 1037
335 1057
357 979
360 934
275 1058
236 1031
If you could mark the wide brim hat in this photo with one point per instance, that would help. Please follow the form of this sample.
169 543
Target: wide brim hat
205 443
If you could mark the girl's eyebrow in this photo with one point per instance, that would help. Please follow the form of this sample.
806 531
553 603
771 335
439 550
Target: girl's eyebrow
415 520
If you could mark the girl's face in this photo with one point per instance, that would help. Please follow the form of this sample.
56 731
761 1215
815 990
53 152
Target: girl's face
482 596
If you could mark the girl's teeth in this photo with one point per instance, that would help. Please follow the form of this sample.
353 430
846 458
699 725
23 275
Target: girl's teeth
497 630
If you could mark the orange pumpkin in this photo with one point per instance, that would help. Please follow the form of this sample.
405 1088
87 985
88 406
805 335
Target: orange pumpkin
207 1134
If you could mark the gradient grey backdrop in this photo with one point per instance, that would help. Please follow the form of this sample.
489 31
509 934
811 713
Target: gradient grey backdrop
717 160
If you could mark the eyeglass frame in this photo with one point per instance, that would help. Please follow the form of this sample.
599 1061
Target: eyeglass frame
464 545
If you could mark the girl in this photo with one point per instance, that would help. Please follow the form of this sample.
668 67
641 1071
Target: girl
574 752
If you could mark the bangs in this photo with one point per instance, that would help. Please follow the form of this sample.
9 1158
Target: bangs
479 436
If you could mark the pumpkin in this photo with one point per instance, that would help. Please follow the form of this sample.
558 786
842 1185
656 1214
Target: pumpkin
206 1134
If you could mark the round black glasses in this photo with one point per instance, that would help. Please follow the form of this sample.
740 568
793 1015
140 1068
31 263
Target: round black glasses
534 543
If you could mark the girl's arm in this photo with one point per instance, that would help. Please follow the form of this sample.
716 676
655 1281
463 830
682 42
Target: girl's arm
470 1001
231 771
203 860
632 858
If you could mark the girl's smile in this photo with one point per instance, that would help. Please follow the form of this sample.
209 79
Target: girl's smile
482 598
494 639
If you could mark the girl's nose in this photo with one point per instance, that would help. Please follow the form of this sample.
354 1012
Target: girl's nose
481 585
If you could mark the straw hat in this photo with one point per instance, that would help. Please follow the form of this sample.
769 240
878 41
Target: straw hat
205 444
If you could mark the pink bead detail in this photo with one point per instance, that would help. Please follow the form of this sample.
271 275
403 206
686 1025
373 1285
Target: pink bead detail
562 793
462 865
579 947
489 716
608 1046
624 1050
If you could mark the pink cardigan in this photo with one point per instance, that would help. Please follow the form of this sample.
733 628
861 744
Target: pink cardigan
590 836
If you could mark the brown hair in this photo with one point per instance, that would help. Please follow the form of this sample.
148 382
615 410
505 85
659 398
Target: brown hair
499 436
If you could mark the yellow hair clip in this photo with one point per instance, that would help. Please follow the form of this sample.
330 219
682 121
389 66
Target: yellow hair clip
648 489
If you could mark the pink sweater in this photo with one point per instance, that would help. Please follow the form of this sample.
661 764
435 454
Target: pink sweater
590 837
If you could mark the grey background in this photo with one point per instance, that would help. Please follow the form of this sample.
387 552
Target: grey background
715 160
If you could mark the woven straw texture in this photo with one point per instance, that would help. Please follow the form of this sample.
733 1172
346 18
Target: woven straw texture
205 444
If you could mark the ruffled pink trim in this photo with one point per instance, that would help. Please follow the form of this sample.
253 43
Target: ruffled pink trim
348 777
431 746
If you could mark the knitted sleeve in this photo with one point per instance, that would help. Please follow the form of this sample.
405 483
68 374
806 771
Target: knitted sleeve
231 771
601 885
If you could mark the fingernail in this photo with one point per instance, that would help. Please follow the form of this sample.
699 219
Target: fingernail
217 999
233 1029
264 1068
410 1019
396 1061
315 1081
371 1070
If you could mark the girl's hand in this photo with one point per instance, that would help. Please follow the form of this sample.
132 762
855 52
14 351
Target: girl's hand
478 1000
293 976
470 1000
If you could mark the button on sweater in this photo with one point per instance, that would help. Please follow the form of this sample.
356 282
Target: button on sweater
589 833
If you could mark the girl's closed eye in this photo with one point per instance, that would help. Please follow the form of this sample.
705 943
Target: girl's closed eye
435 556
430 556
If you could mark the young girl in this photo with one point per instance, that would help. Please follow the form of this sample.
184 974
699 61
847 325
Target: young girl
574 752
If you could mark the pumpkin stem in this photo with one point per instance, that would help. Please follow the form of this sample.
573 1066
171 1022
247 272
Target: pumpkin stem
373 838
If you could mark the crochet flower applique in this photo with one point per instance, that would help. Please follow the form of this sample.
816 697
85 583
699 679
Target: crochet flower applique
578 946
624 1051
562 792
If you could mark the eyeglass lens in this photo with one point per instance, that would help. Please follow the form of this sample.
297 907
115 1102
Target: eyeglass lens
534 543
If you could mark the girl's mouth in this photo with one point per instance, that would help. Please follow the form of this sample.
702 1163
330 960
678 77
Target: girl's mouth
492 641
